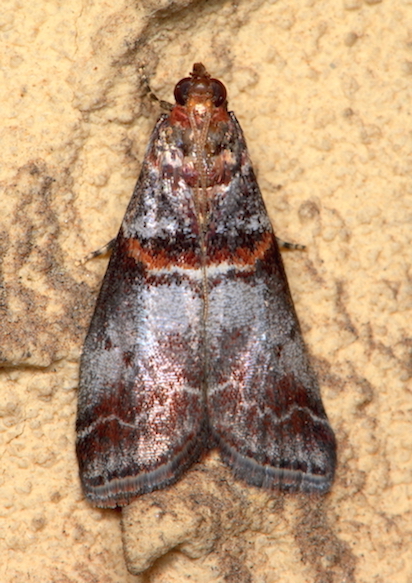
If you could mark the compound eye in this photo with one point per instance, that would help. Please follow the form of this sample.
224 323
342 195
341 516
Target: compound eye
181 92
200 86
219 92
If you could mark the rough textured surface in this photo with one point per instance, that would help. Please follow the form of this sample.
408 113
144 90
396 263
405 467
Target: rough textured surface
322 90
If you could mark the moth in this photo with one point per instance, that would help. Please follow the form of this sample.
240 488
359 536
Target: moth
194 342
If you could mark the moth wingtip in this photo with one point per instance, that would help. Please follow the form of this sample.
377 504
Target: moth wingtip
276 477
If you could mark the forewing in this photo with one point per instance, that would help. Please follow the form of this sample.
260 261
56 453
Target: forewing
141 412
264 402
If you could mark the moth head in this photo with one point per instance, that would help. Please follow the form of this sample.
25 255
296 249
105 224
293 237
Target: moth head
200 88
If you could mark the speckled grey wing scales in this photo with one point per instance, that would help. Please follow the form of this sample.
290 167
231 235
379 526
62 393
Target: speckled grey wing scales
141 412
264 401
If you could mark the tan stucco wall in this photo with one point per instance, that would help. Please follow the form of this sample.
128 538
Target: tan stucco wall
323 92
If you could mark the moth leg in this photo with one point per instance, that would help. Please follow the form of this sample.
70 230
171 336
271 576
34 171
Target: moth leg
286 245
102 251
165 105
